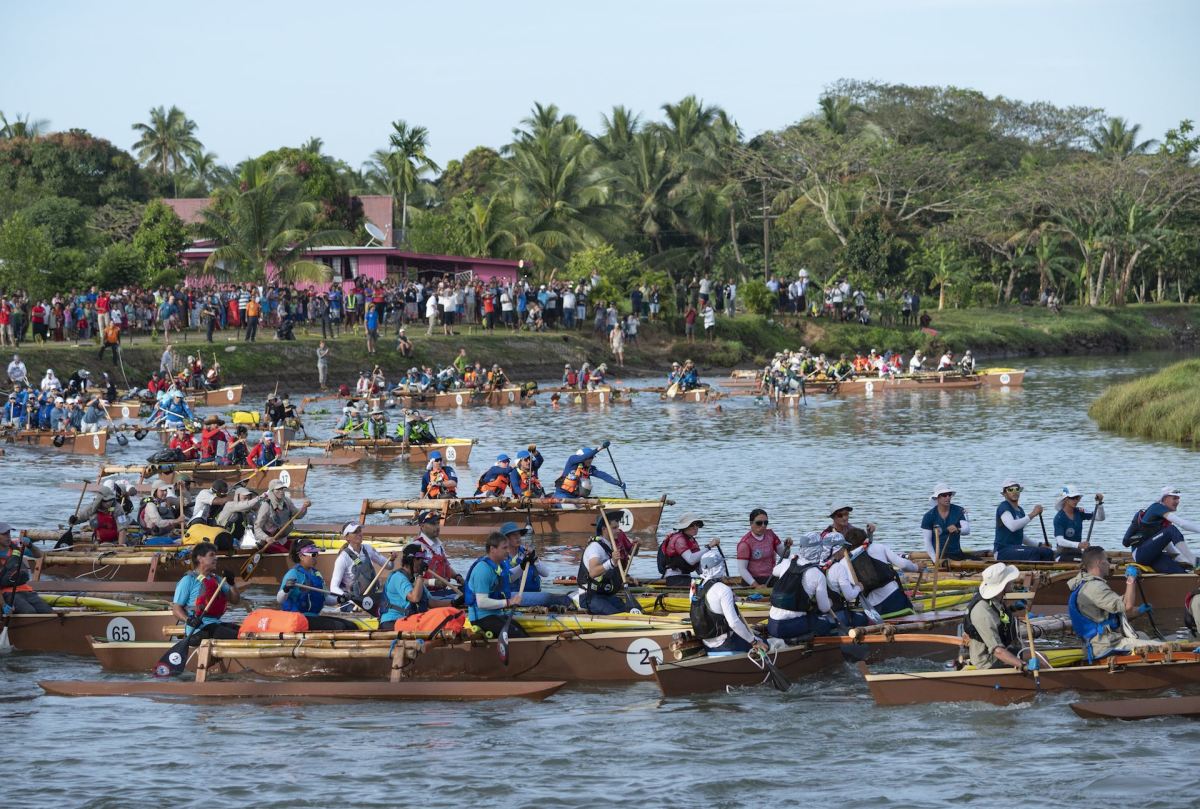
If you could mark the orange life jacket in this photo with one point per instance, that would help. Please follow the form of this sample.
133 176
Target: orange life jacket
570 483
448 619
496 486
437 478
529 481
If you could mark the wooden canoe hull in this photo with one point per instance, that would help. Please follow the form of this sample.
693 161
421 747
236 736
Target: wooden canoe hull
218 397
293 475
77 443
253 689
68 631
706 674
464 398
599 397
129 410
1165 592
871 386
137 566
1006 686
694 396
455 450
1002 377
640 517
1138 708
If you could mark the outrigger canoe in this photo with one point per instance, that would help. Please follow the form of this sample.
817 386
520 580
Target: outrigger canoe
870 386
284 691
293 475
548 515
695 395
501 397
1165 591
217 397
78 443
67 631
454 450
1005 686
603 395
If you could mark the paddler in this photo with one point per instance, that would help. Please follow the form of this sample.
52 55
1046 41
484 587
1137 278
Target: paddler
182 442
875 566
1011 544
213 439
524 479
204 507
239 450
356 566
578 471
495 481
173 410
439 480
405 592
714 613
432 550
689 378
601 586
18 595
947 522
1156 535
760 549
292 598
273 523
520 557
800 601
1098 614
265 453
158 515
194 592
101 515
990 625
487 591
416 429
1069 539
679 554
839 515
238 513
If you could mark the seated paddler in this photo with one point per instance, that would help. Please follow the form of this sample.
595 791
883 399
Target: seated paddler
1098 613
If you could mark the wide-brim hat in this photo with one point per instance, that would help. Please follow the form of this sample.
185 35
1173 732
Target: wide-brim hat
996 577
687 520
1068 492
839 505
940 489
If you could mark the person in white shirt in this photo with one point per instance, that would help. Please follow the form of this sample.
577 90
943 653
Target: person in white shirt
357 570
714 613
431 312
16 370
946 363
710 321
800 602
50 381
914 365
872 578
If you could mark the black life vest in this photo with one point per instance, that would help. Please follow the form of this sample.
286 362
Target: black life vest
789 593
872 573
676 562
165 510
607 584
13 573
364 573
1138 531
1008 626
706 624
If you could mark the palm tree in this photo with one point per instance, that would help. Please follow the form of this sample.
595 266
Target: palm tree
406 162
642 183
620 129
20 127
688 129
1118 139
166 141
706 217
266 222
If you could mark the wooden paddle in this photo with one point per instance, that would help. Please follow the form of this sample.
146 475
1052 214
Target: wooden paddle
68 536
1033 658
256 558
174 660
937 564
502 647
5 644
774 676
368 601
1045 536
871 612
613 539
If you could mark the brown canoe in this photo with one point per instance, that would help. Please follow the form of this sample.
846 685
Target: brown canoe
601 396
218 397
454 450
1005 686
131 567
1139 708
503 397
870 386
78 443
69 631
131 409
1002 377
1164 591
695 395
251 689
293 475
548 515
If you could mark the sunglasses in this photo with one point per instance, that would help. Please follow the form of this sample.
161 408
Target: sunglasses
1014 488
762 522
313 552
946 494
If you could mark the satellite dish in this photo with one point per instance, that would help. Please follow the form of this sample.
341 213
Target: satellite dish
374 232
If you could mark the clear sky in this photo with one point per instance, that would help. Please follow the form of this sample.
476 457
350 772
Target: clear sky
256 74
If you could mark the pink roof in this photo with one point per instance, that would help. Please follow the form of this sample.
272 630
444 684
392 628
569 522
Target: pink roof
189 209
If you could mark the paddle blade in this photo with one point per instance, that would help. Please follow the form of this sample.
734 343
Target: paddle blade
776 678
122 440
67 539
174 661
6 646
502 647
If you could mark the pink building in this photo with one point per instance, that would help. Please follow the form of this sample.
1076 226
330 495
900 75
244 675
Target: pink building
374 262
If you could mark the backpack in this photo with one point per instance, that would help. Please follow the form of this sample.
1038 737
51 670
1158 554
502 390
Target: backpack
1134 533
166 456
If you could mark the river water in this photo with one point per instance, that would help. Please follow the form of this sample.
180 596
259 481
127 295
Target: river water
823 743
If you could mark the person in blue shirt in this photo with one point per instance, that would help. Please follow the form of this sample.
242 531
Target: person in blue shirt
1011 544
520 557
689 378
196 590
1156 535
439 480
372 324
303 590
488 592
405 592
1069 539
496 480
524 477
173 410
578 471
946 523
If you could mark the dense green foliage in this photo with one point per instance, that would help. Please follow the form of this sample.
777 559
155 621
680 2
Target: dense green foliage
1164 406
945 191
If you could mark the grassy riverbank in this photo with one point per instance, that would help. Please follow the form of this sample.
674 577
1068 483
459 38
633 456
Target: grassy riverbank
1164 406
747 340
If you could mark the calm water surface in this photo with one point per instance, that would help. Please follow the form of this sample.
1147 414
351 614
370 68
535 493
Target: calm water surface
824 743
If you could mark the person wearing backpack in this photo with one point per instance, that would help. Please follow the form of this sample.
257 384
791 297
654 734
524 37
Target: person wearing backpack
800 601
994 637
874 581
679 554
714 613
1156 535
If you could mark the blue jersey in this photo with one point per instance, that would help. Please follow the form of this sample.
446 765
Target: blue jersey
1070 528
1004 537
396 591
949 541
485 576
186 593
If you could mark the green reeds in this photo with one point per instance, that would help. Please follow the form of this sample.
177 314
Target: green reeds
1162 407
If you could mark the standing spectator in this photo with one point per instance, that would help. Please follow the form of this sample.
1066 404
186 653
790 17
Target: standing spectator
253 313
568 307
617 342
371 322
705 289
631 329
614 318
38 317
710 322
730 298
506 306
6 329
208 318
322 364
635 301
689 323
112 340
431 312
655 302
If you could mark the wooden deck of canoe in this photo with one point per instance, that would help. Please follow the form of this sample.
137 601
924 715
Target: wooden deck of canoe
76 443
1130 709
601 396
694 396
84 569
289 691
1004 686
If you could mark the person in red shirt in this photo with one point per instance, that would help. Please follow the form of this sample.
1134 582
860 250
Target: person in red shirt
37 316
213 439
679 554
6 329
760 549
689 323
182 441
102 311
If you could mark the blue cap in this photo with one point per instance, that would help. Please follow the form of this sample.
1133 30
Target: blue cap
587 451
435 455
522 455
511 528
501 457
429 516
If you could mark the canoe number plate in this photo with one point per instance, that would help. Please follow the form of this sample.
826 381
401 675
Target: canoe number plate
120 630
451 454
639 654
626 521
